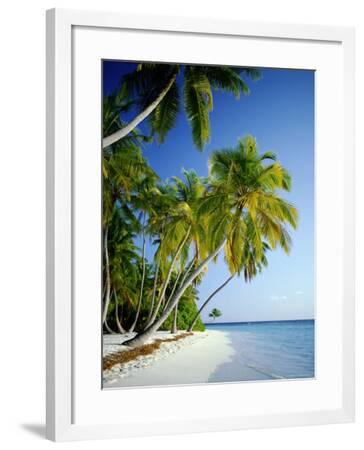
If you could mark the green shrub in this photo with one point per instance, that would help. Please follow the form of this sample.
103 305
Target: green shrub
187 310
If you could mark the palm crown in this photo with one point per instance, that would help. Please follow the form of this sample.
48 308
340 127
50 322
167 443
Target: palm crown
155 88
242 204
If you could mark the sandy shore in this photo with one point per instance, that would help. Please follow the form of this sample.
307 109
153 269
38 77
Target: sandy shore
193 359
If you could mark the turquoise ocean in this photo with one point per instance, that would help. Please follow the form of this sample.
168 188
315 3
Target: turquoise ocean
268 350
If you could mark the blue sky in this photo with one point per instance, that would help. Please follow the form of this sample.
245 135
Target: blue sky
279 113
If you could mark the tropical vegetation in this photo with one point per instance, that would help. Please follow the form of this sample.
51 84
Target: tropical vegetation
185 222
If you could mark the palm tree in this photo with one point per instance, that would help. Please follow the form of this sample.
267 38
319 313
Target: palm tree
157 223
250 267
123 168
215 313
114 106
180 220
119 326
172 231
206 302
142 200
107 272
243 190
156 89
190 190
122 259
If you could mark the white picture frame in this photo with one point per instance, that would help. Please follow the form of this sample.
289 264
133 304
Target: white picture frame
67 402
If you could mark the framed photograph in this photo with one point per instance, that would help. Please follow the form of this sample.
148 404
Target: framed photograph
200 237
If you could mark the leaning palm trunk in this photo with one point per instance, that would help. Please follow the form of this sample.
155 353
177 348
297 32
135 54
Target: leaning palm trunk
166 281
154 293
109 140
189 267
173 289
108 328
142 282
142 337
174 327
193 323
107 270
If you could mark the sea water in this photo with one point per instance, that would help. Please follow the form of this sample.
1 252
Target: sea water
268 350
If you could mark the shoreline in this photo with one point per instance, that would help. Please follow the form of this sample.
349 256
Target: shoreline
193 359
221 355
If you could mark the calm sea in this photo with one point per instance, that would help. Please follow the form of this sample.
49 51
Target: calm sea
268 350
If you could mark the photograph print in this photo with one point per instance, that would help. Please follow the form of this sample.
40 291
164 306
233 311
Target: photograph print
207 224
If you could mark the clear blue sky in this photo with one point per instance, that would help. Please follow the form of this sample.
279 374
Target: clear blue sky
279 113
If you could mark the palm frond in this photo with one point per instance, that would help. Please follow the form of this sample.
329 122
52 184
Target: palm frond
198 102
164 117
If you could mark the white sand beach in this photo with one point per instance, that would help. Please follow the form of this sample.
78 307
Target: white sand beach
212 356
193 359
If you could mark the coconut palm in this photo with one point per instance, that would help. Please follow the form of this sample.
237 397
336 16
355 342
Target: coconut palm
156 89
250 267
190 190
243 190
181 215
142 200
215 313
159 217
171 231
114 106
121 258
123 169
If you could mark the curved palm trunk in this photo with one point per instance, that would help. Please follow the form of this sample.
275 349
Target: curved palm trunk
193 323
166 281
190 265
117 318
154 292
107 270
173 289
139 118
174 327
149 331
141 283
108 328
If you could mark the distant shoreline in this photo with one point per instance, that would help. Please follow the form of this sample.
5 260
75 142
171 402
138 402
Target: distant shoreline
257 321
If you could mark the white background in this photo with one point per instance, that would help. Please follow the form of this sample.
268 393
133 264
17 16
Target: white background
22 220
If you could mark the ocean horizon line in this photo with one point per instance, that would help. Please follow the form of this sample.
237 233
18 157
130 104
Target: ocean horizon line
258 321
